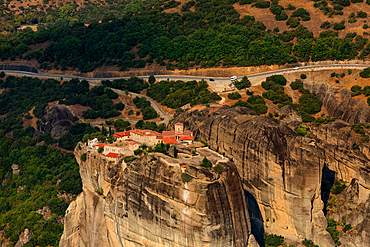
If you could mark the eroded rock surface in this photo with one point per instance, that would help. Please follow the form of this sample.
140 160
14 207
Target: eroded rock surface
283 171
339 103
24 238
146 203
57 120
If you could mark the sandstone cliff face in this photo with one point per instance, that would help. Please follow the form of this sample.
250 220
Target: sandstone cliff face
280 169
339 103
352 206
146 203
57 120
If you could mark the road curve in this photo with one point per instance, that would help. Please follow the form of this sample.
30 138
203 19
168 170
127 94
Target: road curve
166 116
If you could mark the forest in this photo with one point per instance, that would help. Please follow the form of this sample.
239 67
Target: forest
211 36
175 94
45 173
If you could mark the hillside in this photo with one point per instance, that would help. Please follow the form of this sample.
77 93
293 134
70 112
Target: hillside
203 34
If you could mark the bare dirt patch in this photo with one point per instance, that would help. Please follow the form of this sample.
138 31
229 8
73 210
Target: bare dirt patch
178 8
317 16
16 6
77 110
30 122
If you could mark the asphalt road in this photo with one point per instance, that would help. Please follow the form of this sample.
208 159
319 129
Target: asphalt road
184 77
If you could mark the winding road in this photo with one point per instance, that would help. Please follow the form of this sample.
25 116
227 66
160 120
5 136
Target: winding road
185 77
166 116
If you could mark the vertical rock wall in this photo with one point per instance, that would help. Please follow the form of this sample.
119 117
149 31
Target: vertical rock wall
146 203
282 171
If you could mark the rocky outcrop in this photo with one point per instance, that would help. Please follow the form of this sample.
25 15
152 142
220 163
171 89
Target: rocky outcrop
280 169
45 212
24 238
57 120
147 203
339 103
283 171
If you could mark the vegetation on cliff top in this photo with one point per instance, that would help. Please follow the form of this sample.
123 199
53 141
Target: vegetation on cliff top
175 94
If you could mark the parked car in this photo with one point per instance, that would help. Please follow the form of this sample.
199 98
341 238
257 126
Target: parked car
295 68
211 79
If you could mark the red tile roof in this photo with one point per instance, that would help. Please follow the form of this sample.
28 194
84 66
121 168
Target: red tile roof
168 133
145 132
183 166
169 140
181 124
186 138
121 134
100 145
133 143
112 155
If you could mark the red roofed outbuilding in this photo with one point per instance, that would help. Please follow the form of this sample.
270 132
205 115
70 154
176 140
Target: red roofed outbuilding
121 136
169 140
112 155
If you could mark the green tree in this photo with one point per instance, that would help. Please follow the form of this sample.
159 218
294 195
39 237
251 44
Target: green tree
365 73
66 11
175 152
206 163
244 83
151 79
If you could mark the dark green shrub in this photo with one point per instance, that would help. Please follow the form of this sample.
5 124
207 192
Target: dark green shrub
342 2
278 79
129 159
361 14
218 168
242 2
119 106
347 227
234 95
292 22
186 178
339 26
290 7
301 12
338 187
303 76
356 90
206 163
351 20
302 130
100 191
355 146
332 229
273 240
329 33
309 243
83 157
325 25
365 73
243 83
261 4
296 84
